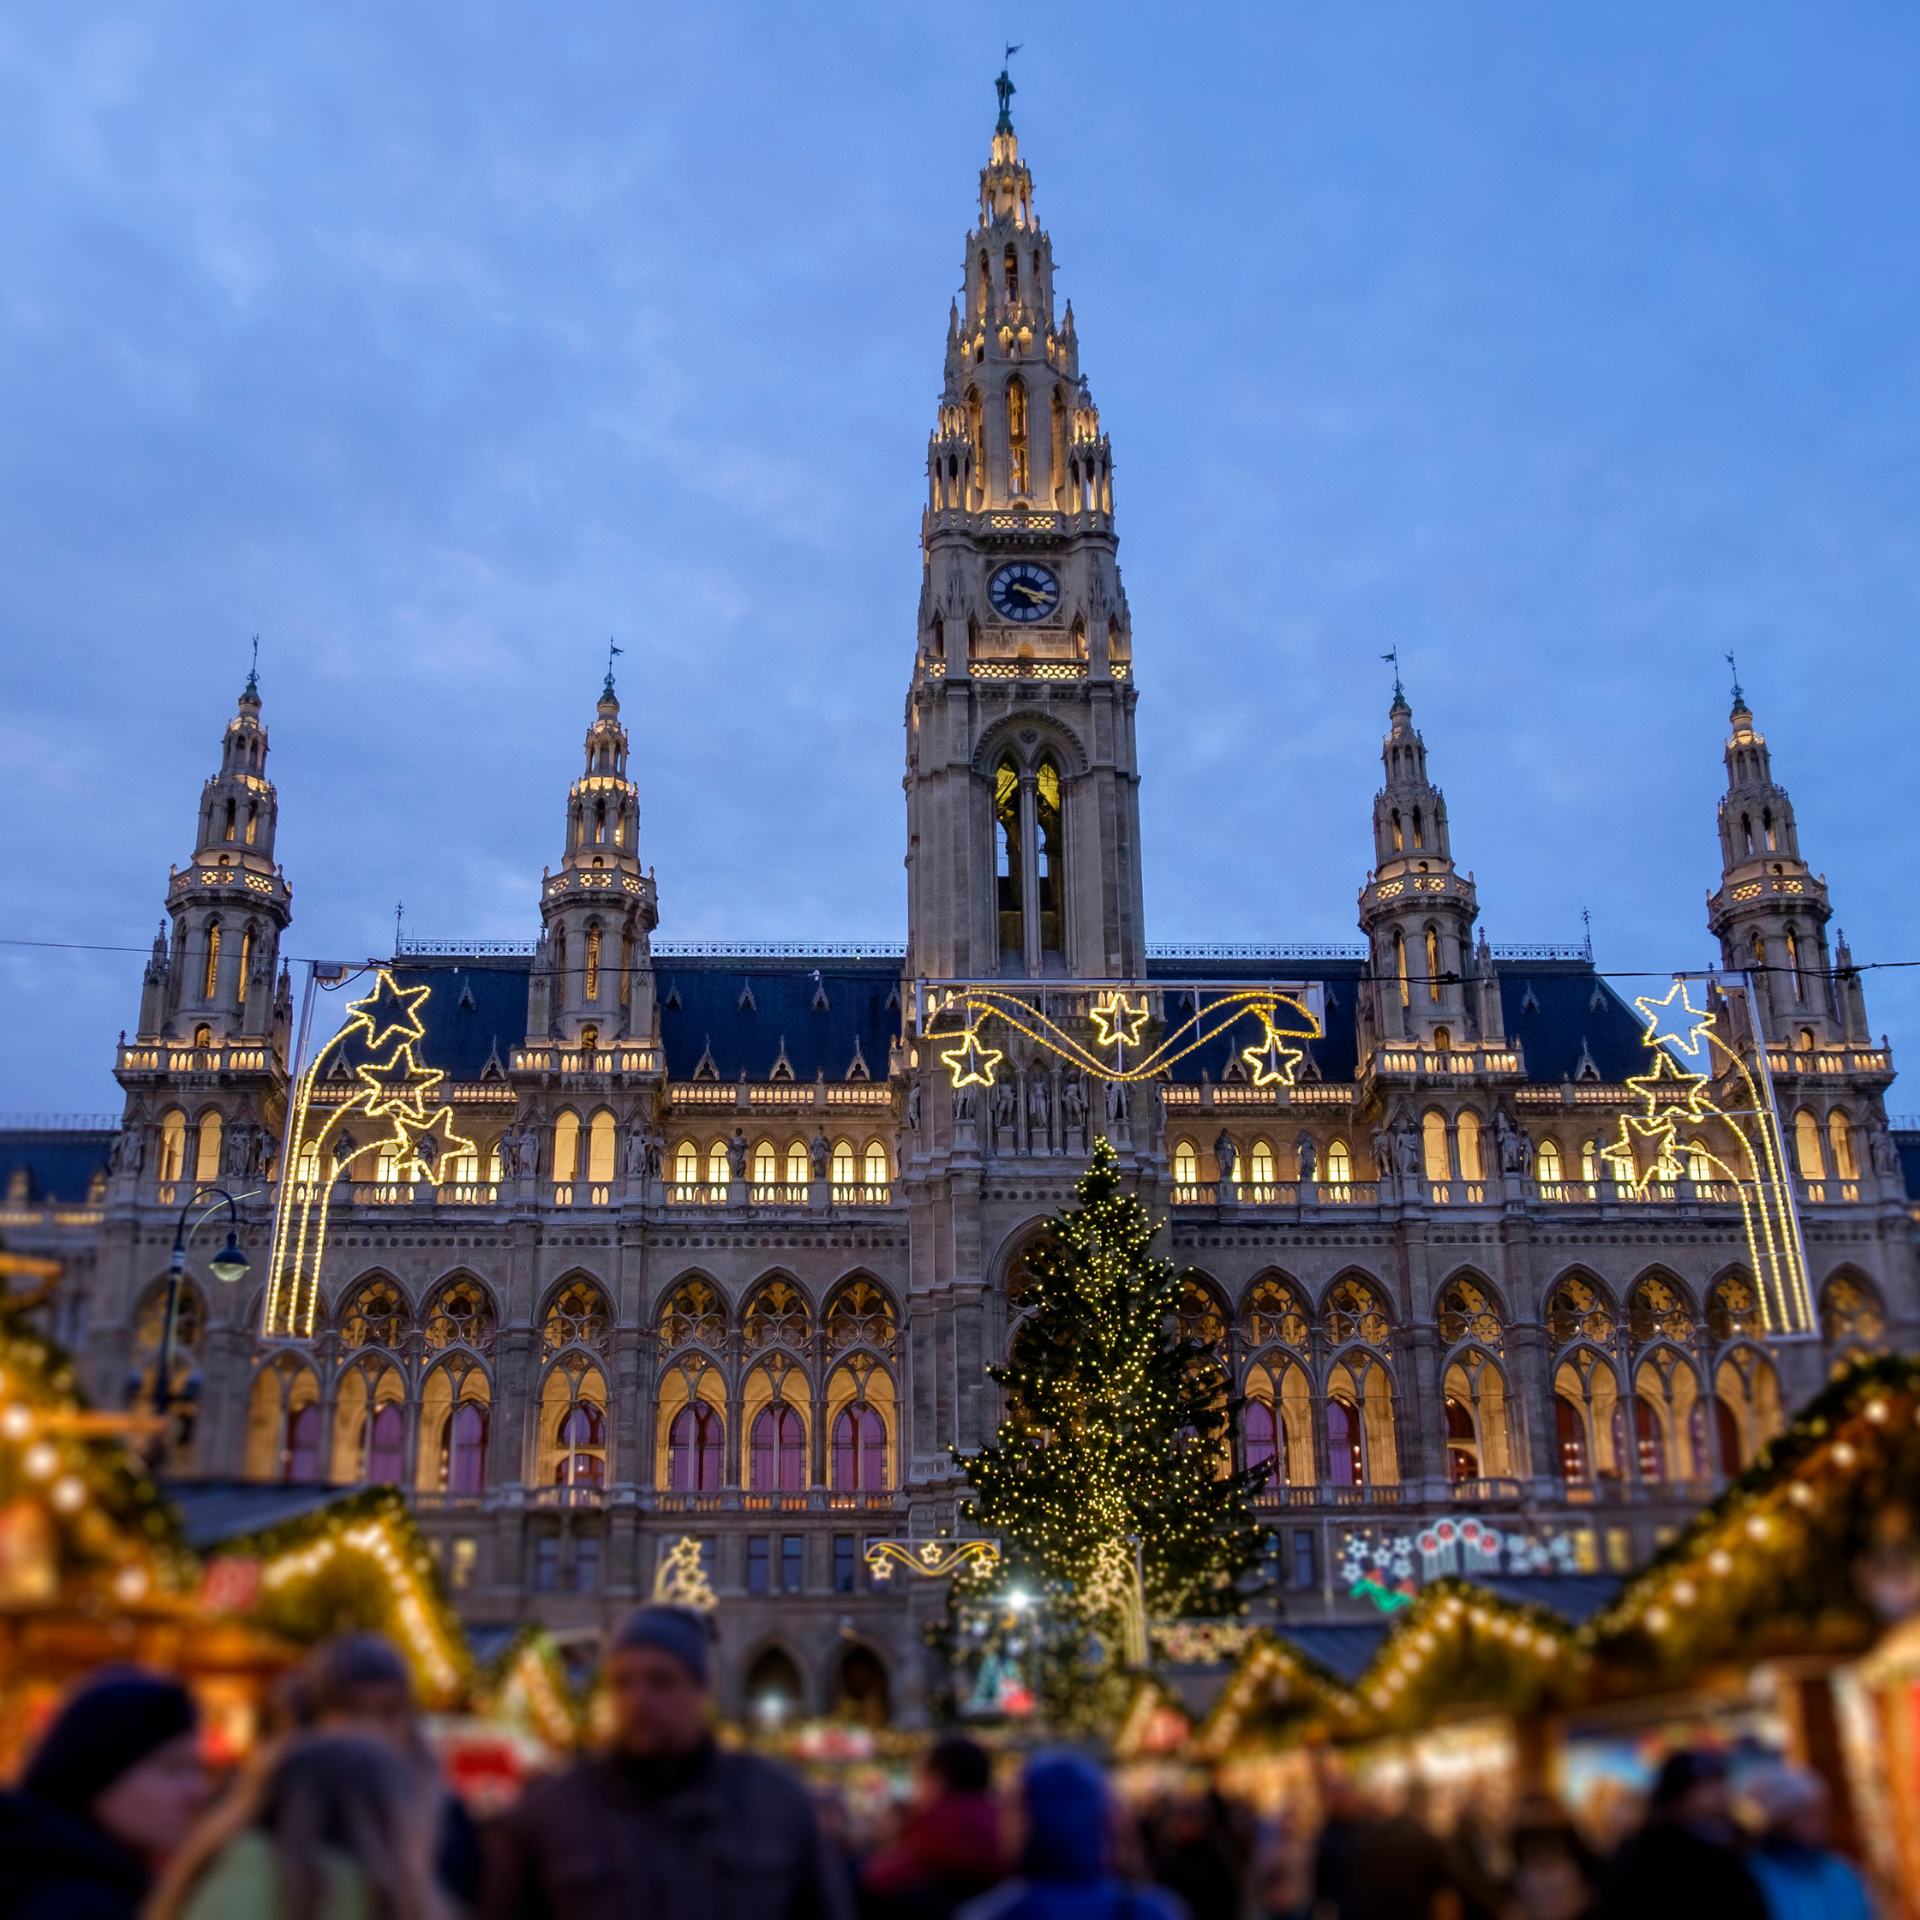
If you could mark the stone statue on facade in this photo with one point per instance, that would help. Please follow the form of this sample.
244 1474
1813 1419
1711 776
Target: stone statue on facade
913 1107
964 1106
819 1152
1507 1142
1307 1155
1005 1100
1116 1103
1073 1101
737 1155
1406 1144
1226 1157
1882 1155
636 1157
1039 1110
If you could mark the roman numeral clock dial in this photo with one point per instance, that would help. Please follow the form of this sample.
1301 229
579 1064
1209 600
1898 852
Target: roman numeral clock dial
1024 592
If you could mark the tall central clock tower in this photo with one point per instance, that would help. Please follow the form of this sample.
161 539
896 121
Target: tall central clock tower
1023 817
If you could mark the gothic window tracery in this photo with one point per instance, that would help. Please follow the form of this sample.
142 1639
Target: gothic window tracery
1733 1308
376 1316
695 1315
1657 1309
1467 1313
461 1315
776 1315
1579 1311
1199 1316
1851 1314
578 1316
695 1445
1274 1312
859 1315
1354 1312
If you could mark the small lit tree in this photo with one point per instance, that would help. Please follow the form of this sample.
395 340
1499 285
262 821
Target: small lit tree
1116 1449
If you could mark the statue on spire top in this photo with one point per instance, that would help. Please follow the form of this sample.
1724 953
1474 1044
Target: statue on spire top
1004 87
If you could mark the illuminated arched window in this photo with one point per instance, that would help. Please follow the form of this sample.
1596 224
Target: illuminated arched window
566 1146
859 1451
1433 963
1419 834
1570 1430
1433 1145
1186 1164
1345 1456
384 1447
173 1144
1266 1441
778 1456
694 1448
1008 857
1339 1165
593 963
583 1443
1399 833
876 1165
1400 967
212 981
1466 1132
231 815
686 1164
1806 1145
1048 842
842 1166
1017 468
799 1170
1846 1165
766 1164
207 1166
600 1146
1700 1167
718 1171
1547 1162
1260 1164
246 965
463 1448
1793 965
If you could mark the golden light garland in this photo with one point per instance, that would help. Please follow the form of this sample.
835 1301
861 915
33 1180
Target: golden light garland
395 1091
680 1580
932 1559
1117 1023
1648 1149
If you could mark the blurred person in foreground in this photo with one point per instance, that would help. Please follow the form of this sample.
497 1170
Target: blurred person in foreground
1403 1870
112 1790
1336 1849
361 1683
1801 1876
1555 1874
1198 1853
665 1823
1683 1864
949 1850
331 1827
1070 1843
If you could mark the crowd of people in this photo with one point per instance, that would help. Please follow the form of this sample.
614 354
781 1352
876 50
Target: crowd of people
343 1815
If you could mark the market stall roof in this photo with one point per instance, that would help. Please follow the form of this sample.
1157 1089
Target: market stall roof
1344 1649
1575 1597
215 1511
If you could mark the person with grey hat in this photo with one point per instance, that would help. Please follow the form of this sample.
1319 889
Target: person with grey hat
665 1822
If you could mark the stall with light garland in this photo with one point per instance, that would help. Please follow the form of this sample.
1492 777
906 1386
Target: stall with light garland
94 1569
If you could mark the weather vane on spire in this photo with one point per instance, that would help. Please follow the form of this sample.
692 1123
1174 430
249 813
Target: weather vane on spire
1005 88
253 673
613 654
1739 698
1393 660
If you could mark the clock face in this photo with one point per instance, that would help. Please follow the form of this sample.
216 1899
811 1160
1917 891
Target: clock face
1024 592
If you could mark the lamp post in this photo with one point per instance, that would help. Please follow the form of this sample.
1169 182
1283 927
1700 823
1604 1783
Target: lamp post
227 1265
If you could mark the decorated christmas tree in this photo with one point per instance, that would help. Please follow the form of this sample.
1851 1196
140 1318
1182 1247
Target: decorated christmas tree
1111 1479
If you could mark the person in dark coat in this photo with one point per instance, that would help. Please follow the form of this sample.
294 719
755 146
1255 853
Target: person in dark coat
1683 1864
950 1848
665 1824
1067 1862
110 1792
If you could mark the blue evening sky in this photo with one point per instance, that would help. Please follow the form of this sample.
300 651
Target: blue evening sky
1563 347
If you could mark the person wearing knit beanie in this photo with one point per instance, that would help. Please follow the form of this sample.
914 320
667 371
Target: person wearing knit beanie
111 1790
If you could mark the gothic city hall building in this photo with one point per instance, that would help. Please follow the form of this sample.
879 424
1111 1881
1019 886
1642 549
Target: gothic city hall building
603 1239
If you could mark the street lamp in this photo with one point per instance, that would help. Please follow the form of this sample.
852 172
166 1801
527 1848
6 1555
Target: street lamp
228 1265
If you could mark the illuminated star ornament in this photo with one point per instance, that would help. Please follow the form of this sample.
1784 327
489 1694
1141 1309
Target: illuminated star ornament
971 1063
1117 1021
1674 1022
378 1040
1272 1062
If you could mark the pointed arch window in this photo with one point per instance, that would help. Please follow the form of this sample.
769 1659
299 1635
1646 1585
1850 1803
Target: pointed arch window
1547 1162
778 1456
463 1448
1346 1459
859 1451
566 1146
694 1450
1466 1133
1047 848
302 1459
593 963
1339 1165
842 1169
1186 1164
1399 832
1433 963
1017 470
876 1165
583 1443
1400 967
1846 1165
1793 965
231 817
766 1165
173 1144
1260 1164
1419 829
1806 1145
1009 857
386 1445
210 985
1746 833
1766 823
798 1169
1570 1430
253 820
718 1171
1266 1441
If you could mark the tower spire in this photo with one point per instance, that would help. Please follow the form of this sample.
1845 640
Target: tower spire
1005 88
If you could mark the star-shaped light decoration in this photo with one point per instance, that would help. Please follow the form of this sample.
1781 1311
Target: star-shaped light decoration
390 1011
399 1085
1642 1149
1676 1024
1272 1062
971 1063
1117 1021
1666 1077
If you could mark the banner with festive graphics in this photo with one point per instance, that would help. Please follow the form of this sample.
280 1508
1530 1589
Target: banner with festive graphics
1390 1567
1733 1140
366 1073
1119 1048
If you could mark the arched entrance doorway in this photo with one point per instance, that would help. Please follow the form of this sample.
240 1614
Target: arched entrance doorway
773 1694
863 1689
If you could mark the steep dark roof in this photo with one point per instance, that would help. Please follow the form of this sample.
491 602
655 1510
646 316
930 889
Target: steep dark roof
1554 1009
1909 1149
59 1165
213 1511
475 1006
1344 1648
742 1010
1335 1053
